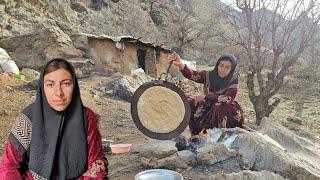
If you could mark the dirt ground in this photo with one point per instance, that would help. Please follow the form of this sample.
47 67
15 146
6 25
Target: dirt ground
116 123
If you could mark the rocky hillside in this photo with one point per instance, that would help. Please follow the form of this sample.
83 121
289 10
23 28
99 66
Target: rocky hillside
187 24
108 17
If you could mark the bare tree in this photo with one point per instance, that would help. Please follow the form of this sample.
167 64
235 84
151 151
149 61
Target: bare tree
192 26
274 35
310 69
183 26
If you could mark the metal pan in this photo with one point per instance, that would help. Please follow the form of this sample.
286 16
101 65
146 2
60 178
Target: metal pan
160 110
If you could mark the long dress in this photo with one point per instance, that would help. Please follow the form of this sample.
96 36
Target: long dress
214 109
14 165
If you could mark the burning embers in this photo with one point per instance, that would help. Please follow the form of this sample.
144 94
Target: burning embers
206 136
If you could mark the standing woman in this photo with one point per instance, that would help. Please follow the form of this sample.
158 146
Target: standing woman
55 137
218 107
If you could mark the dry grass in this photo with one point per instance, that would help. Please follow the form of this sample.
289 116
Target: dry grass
13 100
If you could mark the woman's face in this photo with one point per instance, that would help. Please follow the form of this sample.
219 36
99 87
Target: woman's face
58 88
224 68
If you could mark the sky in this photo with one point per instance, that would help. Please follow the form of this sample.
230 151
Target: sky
289 5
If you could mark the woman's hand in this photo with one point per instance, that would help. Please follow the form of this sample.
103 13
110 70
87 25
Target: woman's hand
212 97
176 60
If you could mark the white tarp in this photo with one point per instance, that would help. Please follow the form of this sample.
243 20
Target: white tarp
6 63
190 64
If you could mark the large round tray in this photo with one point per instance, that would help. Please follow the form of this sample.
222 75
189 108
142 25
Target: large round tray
160 110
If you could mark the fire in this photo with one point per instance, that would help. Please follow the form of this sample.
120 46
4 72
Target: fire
205 136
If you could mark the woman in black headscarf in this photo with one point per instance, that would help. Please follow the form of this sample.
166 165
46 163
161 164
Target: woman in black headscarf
218 107
55 137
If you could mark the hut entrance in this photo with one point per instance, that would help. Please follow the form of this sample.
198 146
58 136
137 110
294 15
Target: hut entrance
141 56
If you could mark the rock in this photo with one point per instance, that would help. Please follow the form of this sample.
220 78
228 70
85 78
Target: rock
79 7
75 16
9 89
295 119
32 84
96 96
181 159
120 124
80 41
157 17
35 49
30 73
274 149
264 124
212 153
96 5
181 143
285 137
258 154
264 150
102 89
2 8
4 112
82 67
127 85
138 72
124 89
108 92
157 149
187 157
105 3
245 175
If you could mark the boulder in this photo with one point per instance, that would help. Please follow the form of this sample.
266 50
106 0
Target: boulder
259 153
212 153
30 73
33 85
158 149
82 67
289 140
187 157
79 7
127 85
96 5
272 149
295 119
164 154
245 175
179 160
35 49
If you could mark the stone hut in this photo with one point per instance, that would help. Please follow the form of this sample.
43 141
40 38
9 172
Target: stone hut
123 54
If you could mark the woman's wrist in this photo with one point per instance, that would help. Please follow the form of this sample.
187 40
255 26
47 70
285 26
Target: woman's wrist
181 67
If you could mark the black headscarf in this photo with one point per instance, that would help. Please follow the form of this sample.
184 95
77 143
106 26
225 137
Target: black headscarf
58 148
217 83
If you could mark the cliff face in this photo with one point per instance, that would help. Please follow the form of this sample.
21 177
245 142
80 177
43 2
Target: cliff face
74 16
184 23
35 31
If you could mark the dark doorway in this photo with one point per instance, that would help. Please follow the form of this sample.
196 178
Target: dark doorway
141 56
